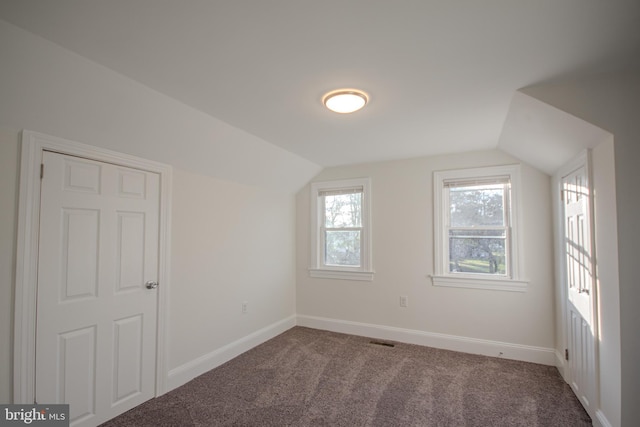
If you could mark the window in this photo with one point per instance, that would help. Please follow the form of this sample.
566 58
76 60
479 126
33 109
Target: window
341 233
476 228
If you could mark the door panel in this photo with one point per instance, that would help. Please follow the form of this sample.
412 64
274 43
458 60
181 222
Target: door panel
79 249
582 358
127 351
98 246
77 370
82 176
130 250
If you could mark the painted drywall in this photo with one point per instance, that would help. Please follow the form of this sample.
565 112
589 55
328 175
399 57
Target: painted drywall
231 243
48 89
606 406
233 193
545 136
9 161
402 216
608 285
612 102
549 138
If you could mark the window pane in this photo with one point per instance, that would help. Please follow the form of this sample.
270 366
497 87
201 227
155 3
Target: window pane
476 251
343 210
342 248
477 205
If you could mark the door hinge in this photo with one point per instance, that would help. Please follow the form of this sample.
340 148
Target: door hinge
566 354
562 195
41 170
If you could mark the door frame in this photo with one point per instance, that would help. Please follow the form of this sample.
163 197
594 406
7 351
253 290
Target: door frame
24 352
583 158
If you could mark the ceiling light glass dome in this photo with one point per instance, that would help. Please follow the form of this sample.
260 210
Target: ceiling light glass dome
345 100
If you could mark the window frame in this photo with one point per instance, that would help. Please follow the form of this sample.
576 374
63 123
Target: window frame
512 280
318 268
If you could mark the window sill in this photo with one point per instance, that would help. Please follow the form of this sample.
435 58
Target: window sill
493 284
366 276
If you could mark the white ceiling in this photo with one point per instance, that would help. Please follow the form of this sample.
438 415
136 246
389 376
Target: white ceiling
545 136
440 74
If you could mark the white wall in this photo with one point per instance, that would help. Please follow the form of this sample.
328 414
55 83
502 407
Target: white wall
235 243
550 138
547 137
608 284
612 102
402 211
233 193
231 243
9 156
48 89
607 407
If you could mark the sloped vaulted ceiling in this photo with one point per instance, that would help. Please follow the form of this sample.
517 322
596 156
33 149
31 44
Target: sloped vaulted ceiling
545 136
441 74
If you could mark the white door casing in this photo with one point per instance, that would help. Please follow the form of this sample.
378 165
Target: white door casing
96 319
579 281
127 328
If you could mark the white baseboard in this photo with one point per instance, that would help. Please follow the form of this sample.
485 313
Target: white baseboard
185 373
600 420
541 355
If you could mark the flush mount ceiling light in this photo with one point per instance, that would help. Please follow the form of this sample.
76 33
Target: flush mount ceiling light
345 100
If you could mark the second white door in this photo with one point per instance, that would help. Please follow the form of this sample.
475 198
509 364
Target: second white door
579 280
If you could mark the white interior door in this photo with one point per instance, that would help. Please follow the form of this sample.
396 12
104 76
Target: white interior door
579 280
96 318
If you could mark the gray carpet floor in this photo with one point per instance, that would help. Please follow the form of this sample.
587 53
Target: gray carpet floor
307 377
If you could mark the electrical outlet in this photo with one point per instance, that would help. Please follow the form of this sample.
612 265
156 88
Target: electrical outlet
404 301
245 307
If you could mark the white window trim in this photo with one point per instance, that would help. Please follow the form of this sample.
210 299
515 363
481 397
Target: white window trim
317 268
442 276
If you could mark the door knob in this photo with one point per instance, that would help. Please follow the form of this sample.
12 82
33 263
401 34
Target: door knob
151 284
